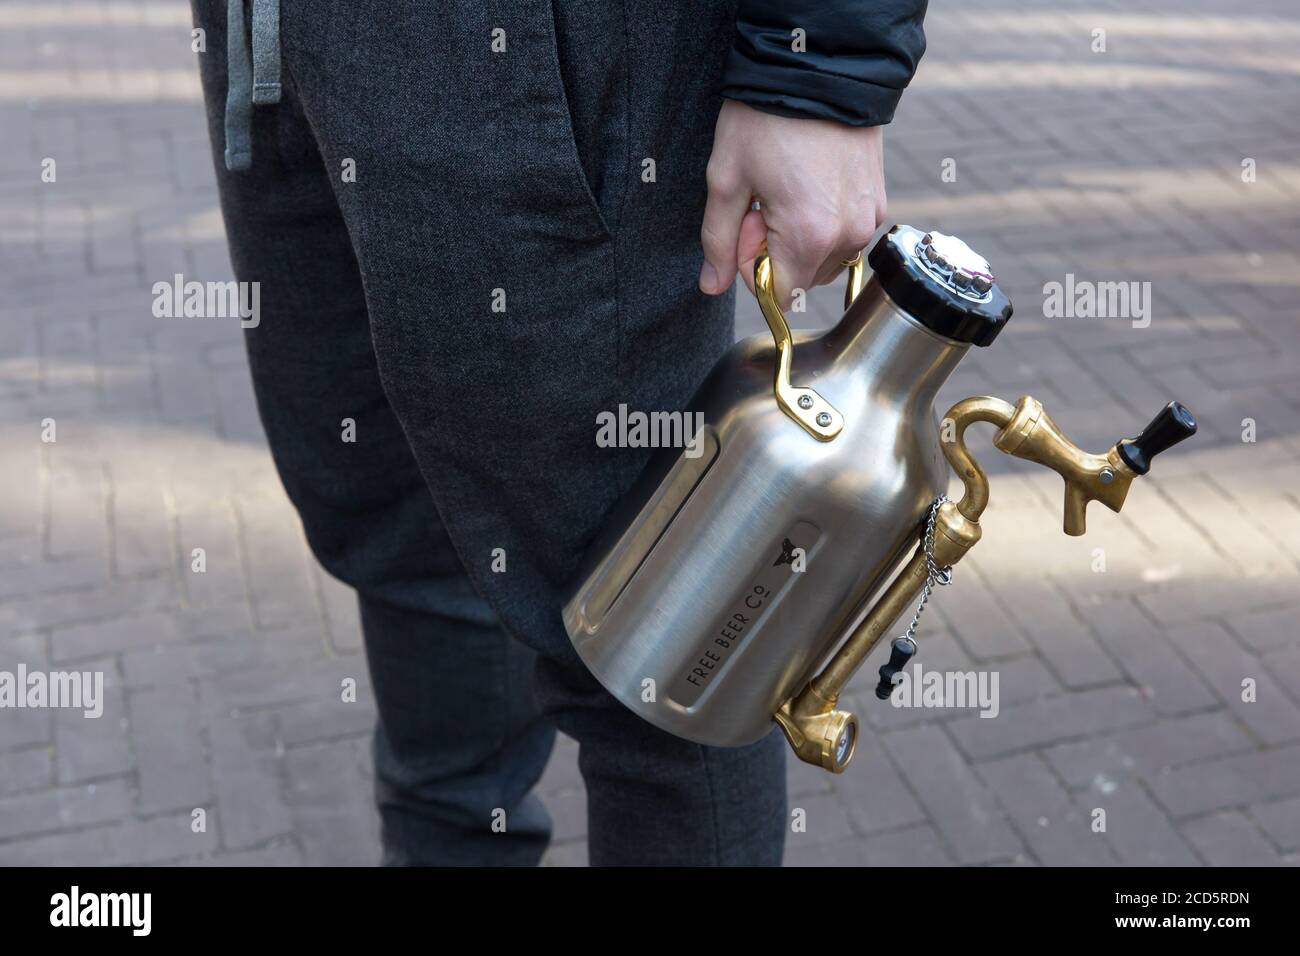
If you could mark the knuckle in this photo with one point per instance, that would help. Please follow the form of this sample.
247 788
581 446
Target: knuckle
861 226
858 233
721 178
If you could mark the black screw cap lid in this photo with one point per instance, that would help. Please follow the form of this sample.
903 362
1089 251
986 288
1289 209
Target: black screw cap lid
942 283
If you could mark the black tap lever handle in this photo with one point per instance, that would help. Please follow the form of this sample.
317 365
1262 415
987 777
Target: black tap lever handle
1174 424
900 652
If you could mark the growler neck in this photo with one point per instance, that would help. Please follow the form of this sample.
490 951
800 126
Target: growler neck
898 354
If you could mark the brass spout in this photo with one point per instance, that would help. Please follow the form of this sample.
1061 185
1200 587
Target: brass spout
1032 435
822 735
975 495
1026 431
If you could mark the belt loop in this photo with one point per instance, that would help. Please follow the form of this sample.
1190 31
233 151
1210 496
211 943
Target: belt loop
239 81
266 51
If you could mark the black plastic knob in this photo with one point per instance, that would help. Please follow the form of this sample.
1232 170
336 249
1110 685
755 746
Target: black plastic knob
900 652
1174 424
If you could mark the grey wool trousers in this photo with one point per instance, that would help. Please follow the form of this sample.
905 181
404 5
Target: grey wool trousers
476 226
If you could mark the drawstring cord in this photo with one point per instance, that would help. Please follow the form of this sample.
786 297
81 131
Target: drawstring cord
252 78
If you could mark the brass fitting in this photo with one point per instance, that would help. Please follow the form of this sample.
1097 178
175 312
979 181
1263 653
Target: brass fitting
1032 435
823 735
827 740
818 732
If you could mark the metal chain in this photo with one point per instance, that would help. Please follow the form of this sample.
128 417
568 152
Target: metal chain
934 574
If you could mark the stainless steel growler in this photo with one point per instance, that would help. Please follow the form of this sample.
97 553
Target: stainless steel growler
737 565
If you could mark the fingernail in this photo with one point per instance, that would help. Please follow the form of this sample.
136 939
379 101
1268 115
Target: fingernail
709 278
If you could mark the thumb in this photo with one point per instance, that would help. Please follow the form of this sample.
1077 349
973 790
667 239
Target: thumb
723 213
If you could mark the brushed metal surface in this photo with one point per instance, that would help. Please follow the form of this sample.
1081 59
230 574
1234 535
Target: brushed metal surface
676 581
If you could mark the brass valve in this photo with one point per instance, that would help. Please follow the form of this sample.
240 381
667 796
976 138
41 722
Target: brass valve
823 735
1032 435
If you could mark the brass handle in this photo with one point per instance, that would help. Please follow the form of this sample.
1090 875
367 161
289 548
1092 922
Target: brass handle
815 414
856 280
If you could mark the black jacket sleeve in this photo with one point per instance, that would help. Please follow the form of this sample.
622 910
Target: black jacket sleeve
859 56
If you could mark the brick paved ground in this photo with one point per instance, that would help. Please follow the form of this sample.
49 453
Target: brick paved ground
1120 690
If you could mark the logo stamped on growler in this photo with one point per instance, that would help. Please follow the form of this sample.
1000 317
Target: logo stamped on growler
789 553
747 612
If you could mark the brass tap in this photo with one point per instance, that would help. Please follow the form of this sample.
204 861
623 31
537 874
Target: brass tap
823 735
1032 435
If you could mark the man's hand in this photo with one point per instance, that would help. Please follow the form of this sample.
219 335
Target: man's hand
821 186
